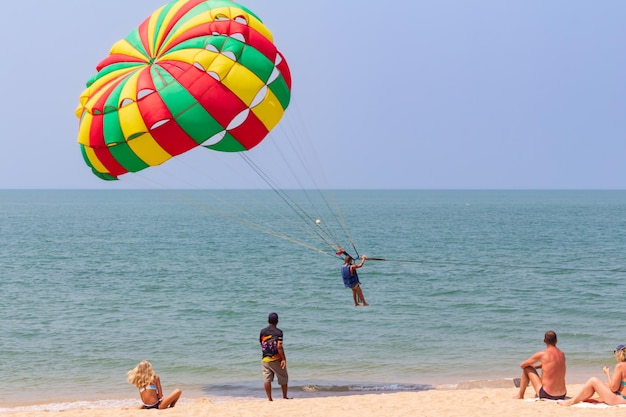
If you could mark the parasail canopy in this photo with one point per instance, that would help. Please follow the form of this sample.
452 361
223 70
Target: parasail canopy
194 73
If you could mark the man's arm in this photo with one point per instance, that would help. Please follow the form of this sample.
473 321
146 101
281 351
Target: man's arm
532 361
362 262
283 358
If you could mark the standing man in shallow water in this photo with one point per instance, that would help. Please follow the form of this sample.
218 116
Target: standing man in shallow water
274 361
551 384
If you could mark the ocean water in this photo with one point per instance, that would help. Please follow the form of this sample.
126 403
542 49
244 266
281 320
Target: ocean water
92 282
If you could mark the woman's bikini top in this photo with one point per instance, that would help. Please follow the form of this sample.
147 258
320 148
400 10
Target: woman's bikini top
622 383
152 387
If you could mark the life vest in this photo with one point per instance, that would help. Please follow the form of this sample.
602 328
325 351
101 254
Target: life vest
348 279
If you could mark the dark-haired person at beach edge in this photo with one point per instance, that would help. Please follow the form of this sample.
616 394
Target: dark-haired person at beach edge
274 361
550 385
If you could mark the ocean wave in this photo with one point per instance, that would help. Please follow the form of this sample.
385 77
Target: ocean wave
80 405
364 388
74 405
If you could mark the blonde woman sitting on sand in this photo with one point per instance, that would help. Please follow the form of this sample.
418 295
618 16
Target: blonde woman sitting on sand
149 384
612 393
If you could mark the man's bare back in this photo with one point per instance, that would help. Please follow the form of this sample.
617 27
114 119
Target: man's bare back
552 363
553 371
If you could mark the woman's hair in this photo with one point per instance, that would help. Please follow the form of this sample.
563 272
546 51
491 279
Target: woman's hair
621 355
141 375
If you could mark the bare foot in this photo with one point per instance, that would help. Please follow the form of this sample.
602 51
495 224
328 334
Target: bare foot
365 304
564 402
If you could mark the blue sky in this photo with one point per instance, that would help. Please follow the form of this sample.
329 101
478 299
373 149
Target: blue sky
401 95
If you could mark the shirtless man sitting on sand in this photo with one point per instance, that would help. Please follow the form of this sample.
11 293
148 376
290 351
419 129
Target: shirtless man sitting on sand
551 384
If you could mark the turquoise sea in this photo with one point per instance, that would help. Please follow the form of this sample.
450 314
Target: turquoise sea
92 282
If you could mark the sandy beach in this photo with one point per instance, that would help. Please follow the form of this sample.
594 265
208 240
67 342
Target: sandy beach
460 402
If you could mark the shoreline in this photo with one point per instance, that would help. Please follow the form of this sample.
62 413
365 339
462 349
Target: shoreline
471 400
300 392
250 389
251 392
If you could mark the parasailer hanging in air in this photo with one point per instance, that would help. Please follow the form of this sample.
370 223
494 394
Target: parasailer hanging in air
194 73
351 277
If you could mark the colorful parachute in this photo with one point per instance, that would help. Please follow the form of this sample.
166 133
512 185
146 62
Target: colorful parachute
196 72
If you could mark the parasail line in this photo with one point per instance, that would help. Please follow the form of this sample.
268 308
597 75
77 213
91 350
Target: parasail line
477 264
